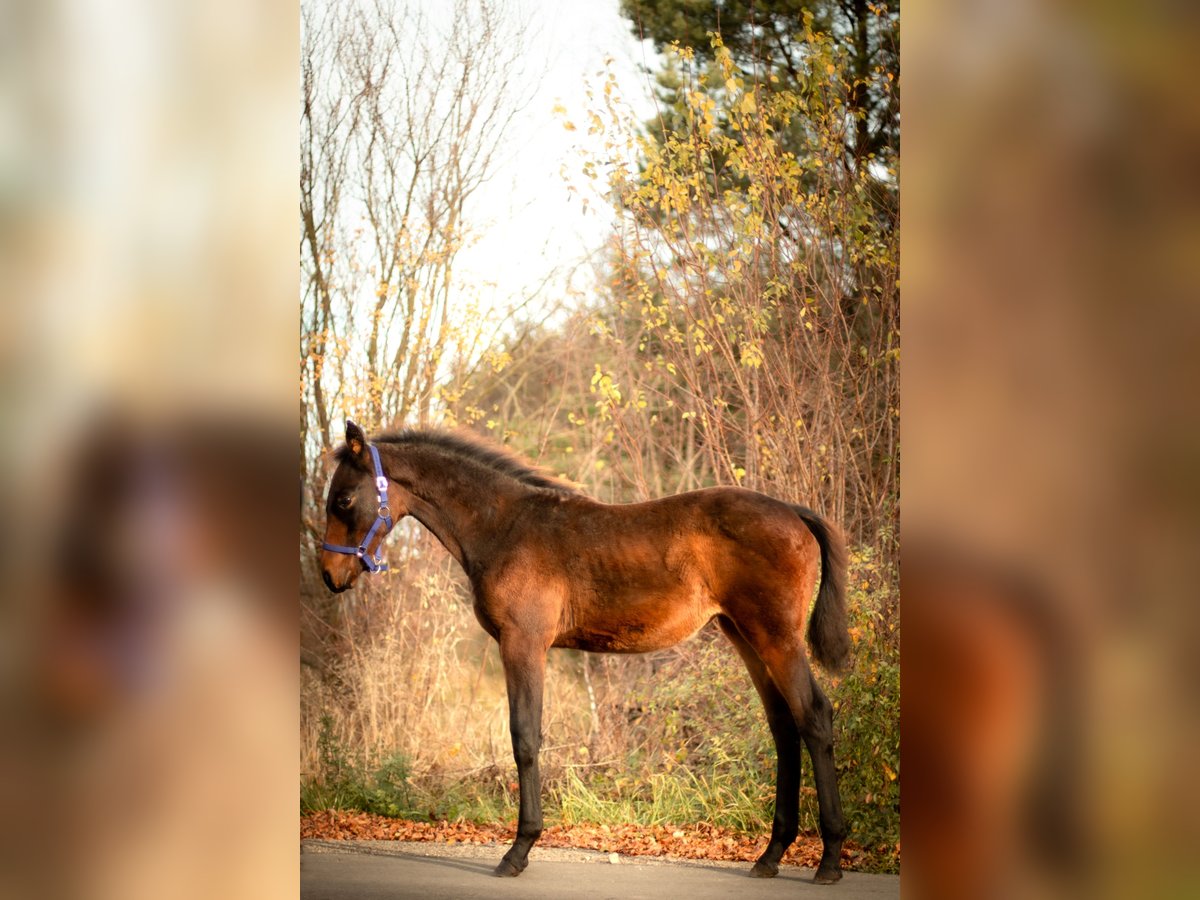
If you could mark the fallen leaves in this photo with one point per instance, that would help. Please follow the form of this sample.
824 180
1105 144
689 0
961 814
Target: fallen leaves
691 842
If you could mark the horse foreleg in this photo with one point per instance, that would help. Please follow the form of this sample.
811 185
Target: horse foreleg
524 673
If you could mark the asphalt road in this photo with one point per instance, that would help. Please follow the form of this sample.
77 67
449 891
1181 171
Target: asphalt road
372 870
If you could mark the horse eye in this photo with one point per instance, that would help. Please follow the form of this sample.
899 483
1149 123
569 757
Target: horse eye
345 501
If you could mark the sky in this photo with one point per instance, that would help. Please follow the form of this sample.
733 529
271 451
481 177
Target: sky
531 224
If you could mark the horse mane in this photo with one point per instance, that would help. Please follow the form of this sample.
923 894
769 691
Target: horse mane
474 448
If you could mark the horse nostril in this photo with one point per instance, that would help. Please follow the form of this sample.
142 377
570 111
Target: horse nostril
328 580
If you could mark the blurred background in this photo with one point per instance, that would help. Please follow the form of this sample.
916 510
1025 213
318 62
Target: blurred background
147 244
148 183
1050 260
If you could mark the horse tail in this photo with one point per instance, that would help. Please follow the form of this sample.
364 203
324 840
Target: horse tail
828 636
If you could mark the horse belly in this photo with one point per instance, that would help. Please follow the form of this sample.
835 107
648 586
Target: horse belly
649 626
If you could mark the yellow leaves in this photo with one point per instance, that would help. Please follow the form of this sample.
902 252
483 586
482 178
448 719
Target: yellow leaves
569 125
498 360
607 390
721 54
683 54
748 106
751 355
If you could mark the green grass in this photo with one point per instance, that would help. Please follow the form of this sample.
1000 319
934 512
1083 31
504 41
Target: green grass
344 783
389 789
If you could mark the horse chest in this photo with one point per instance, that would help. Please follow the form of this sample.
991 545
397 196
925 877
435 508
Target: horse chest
485 618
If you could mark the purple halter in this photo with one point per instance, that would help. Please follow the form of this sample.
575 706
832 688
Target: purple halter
383 517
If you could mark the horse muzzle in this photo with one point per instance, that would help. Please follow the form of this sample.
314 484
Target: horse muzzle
329 583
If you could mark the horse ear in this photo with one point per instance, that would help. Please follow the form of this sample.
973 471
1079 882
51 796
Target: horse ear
355 439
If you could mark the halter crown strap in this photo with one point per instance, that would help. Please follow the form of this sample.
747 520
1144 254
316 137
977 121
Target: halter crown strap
383 517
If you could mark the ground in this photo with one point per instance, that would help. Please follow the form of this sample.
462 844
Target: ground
697 842
366 870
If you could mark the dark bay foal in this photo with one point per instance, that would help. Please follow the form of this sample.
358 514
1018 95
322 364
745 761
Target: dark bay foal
551 567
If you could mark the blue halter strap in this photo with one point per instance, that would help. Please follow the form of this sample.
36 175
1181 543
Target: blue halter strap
383 518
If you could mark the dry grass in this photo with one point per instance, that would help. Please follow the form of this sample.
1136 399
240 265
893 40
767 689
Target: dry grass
415 675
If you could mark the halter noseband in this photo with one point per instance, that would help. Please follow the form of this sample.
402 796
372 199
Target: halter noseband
383 516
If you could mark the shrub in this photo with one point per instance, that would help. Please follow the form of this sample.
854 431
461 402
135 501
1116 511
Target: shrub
867 712
344 783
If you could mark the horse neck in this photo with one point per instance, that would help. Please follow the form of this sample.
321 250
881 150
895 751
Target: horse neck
462 502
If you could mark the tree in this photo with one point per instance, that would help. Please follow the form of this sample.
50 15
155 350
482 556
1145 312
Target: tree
765 39
404 109
754 307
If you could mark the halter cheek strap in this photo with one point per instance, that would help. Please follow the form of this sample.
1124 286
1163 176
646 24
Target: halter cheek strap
383 519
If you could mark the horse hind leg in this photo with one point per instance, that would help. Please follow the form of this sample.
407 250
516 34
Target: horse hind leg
818 737
788 668
786 823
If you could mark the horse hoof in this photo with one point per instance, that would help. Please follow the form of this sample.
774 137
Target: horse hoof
510 868
827 876
764 870
507 870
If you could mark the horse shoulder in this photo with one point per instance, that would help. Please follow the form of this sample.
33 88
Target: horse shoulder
525 585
